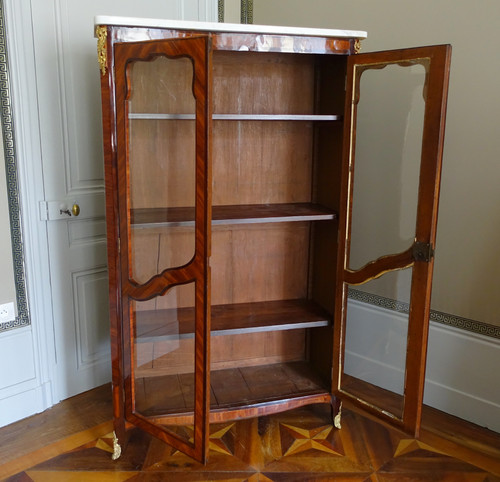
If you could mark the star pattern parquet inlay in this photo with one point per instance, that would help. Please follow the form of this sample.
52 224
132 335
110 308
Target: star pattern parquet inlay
301 445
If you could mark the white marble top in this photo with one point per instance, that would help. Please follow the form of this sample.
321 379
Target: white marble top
226 27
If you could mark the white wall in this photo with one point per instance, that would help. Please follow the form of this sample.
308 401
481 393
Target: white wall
467 267
462 374
17 363
459 378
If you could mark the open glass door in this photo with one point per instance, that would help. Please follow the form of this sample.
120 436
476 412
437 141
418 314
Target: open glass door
394 130
163 126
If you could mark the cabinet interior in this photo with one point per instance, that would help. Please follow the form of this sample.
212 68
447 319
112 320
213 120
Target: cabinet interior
276 159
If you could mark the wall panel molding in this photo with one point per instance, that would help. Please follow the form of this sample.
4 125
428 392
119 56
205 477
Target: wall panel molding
10 153
459 376
92 330
455 321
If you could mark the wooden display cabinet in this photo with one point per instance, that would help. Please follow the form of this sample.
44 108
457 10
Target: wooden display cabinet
229 154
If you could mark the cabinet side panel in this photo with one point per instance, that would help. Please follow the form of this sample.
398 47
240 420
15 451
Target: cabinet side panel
330 94
330 97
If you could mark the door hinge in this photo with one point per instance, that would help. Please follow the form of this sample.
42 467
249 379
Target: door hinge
422 251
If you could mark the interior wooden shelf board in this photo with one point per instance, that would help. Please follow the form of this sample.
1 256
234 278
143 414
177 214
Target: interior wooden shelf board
234 319
232 214
237 387
238 117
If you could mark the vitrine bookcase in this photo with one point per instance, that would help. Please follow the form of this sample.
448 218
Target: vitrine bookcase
229 154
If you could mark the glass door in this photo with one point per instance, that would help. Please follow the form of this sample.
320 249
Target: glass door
394 130
163 171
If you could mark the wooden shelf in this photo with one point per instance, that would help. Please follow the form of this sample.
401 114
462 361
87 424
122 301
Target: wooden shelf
240 117
234 214
171 324
235 387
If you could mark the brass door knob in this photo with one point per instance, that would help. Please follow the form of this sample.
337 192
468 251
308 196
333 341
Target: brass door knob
75 209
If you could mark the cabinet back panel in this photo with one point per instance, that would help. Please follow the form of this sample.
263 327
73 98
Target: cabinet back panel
258 162
262 83
162 85
252 349
261 262
162 163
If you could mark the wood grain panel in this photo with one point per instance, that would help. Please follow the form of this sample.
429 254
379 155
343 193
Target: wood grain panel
144 356
254 263
155 218
177 247
260 162
177 357
153 392
162 163
162 85
268 381
144 246
172 324
272 83
234 386
273 261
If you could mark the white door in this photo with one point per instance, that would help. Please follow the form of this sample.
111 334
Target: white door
67 79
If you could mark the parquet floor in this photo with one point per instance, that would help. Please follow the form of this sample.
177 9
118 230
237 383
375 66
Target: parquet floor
300 445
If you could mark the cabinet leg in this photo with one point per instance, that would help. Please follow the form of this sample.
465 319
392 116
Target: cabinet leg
336 407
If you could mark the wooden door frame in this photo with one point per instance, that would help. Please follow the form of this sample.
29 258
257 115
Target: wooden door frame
437 78
122 289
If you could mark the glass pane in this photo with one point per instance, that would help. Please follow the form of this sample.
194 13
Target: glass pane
162 156
376 340
389 123
261 366
164 351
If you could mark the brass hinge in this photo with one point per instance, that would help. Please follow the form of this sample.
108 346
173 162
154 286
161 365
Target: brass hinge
422 251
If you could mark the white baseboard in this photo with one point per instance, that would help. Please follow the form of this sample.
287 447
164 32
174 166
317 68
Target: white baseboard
24 404
22 392
462 367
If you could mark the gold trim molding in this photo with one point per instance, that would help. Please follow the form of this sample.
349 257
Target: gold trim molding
102 55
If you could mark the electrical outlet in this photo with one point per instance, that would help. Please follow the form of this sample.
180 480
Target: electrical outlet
7 312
